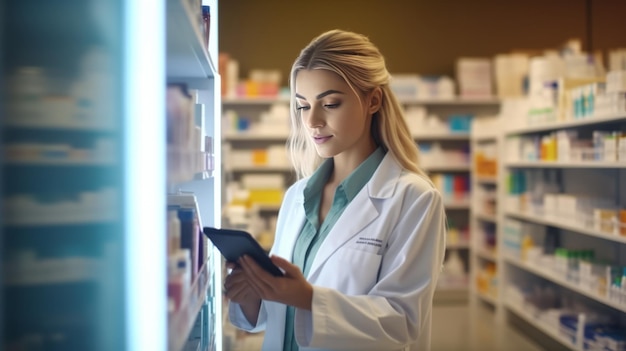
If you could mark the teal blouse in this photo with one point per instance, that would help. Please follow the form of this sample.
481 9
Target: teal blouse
313 232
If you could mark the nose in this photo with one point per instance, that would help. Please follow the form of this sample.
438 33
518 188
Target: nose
313 118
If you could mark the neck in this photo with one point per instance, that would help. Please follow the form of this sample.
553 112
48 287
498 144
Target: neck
345 164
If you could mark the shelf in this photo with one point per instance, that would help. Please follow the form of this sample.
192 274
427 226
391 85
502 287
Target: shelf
554 334
442 136
487 298
261 169
491 138
65 220
458 246
43 124
453 288
52 272
268 207
187 57
447 168
181 321
485 217
486 254
572 226
589 121
486 180
451 102
255 100
59 163
559 164
456 205
204 175
255 137
562 282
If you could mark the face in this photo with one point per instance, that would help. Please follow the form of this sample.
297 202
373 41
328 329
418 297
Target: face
336 120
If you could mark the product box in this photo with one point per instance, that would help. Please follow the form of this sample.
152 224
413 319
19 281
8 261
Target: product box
405 86
474 77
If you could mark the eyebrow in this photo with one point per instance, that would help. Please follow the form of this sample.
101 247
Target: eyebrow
321 95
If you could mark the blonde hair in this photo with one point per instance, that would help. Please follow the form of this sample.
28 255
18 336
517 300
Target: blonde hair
359 62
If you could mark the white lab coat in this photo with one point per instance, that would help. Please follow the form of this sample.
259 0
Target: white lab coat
375 273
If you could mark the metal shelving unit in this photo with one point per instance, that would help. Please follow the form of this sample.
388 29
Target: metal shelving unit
84 232
598 179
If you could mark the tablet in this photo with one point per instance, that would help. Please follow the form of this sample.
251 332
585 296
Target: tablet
236 243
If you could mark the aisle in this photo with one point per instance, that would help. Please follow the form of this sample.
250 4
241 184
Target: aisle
456 328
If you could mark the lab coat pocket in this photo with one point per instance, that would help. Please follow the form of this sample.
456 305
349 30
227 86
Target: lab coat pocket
356 270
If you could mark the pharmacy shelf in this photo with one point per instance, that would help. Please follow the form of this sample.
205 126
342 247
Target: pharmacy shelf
560 164
542 326
54 219
572 226
564 283
181 321
451 102
486 254
442 136
490 138
187 56
458 246
486 298
486 180
68 271
260 169
447 168
547 127
268 207
485 217
456 205
452 288
66 124
204 175
261 100
59 163
248 136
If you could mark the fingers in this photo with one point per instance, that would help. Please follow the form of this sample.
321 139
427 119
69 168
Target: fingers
260 280
237 288
287 266
231 266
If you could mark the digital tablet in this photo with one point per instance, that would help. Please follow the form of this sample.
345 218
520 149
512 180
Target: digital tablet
235 243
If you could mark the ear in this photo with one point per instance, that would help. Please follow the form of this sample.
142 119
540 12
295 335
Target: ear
375 100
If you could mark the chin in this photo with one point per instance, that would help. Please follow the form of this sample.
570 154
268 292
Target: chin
325 153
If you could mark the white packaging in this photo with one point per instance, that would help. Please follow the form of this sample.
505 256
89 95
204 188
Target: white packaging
405 86
263 181
616 82
510 71
474 77
621 148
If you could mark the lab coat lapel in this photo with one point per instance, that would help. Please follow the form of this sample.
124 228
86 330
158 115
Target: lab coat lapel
294 221
359 213
361 210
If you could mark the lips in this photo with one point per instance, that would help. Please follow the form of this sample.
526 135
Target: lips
320 139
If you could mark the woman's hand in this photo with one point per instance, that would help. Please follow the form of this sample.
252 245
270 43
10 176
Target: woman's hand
238 289
291 289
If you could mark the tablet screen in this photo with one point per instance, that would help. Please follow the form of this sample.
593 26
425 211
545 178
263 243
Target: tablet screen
235 243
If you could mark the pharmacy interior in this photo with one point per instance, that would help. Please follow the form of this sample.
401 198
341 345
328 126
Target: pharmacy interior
520 126
128 126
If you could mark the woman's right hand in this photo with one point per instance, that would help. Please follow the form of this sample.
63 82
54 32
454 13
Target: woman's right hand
237 289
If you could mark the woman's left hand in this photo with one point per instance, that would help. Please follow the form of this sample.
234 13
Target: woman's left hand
291 289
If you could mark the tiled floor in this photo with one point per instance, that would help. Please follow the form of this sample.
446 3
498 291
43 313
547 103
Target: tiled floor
456 327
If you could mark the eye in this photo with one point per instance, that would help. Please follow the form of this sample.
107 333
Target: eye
332 105
299 108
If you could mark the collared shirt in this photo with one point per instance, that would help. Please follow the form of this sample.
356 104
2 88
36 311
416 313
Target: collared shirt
313 232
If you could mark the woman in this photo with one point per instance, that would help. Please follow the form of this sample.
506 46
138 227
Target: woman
361 236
